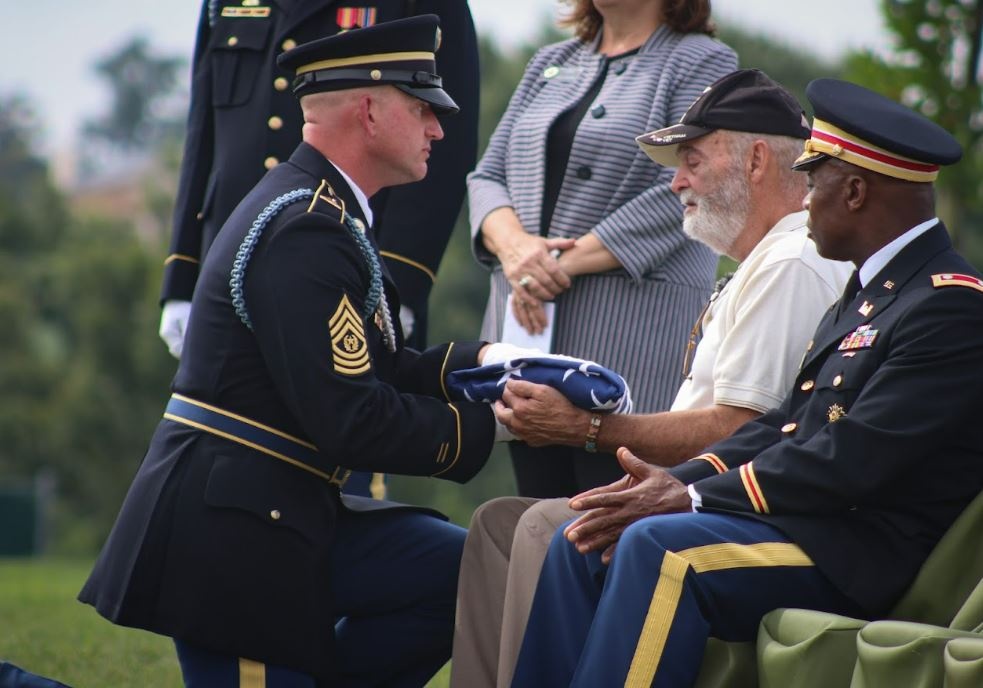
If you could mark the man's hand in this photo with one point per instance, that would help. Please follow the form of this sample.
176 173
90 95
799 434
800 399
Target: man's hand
645 491
174 325
540 415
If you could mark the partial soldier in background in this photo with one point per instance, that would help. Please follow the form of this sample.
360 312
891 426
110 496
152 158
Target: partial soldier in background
244 120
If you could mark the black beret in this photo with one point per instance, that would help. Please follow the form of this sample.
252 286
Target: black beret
746 100
864 128
399 53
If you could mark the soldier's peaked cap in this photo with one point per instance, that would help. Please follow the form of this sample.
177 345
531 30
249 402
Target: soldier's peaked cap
871 131
747 100
399 53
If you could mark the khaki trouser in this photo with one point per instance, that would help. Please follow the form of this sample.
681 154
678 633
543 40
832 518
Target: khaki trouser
503 555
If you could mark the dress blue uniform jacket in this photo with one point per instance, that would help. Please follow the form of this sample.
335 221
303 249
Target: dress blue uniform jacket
224 546
878 446
244 119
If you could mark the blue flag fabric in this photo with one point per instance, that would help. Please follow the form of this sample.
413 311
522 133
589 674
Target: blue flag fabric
586 384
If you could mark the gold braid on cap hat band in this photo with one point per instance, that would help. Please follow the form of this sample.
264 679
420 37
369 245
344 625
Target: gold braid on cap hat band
836 143
365 60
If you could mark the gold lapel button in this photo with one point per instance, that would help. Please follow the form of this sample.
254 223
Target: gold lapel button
270 163
807 385
289 44
789 427
838 380
275 514
280 83
274 123
233 41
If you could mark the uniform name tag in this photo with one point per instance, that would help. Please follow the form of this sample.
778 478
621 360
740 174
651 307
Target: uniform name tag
861 338
246 12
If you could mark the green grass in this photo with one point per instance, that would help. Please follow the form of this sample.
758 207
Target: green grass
44 629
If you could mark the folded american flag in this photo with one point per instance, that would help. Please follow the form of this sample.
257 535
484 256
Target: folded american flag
586 384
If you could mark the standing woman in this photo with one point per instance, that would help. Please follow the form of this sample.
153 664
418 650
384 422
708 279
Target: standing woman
562 173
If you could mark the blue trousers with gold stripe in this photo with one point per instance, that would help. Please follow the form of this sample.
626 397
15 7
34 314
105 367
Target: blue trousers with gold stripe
674 580
394 582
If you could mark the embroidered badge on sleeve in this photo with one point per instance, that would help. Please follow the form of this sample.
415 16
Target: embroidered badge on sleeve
348 346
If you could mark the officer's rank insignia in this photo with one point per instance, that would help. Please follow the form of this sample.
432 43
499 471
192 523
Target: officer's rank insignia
889 284
861 338
835 413
355 17
866 308
348 346
953 280
250 10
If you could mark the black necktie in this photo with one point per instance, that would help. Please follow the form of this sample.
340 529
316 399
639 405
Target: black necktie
849 293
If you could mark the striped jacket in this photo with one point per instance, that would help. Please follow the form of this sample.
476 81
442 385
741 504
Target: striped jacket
635 319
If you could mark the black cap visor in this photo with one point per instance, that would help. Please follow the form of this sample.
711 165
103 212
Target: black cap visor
808 160
440 102
661 145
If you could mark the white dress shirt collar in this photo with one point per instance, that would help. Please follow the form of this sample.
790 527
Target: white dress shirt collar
876 262
363 200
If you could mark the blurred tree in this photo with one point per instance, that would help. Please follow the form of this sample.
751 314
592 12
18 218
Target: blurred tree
934 68
82 376
142 84
788 65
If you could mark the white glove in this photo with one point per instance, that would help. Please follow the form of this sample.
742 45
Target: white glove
174 325
500 352
502 433
407 320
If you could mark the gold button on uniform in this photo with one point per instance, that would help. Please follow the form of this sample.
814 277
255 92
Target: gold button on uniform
270 163
274 122
375 74
838 380
289 44
232 40
807 385
275 514
789 427
280 83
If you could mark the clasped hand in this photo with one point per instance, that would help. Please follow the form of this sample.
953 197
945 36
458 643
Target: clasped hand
645 490
535 276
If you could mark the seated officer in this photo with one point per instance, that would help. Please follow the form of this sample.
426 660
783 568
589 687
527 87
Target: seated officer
833 500
234 539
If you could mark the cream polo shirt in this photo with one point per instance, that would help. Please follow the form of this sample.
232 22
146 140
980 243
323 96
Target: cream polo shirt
756 332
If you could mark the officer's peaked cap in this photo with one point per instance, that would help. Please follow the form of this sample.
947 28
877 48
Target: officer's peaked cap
747 100
400 53
871 131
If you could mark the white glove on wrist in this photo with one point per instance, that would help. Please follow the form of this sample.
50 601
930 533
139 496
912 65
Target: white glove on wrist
174 324
407 320
502 433
500 352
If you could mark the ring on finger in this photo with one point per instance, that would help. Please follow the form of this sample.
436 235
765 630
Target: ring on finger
525 280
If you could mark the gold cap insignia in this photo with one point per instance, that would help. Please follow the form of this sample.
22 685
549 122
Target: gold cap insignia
348 346
835 413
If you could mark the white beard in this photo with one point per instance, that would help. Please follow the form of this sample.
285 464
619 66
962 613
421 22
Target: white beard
718 218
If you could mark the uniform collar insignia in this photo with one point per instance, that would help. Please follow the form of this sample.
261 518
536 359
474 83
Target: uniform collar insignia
835 413
866 308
